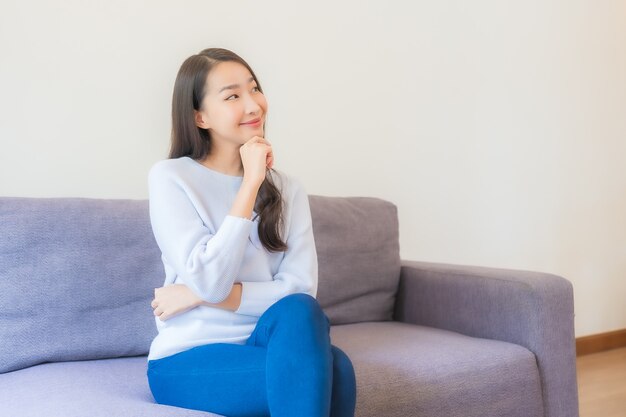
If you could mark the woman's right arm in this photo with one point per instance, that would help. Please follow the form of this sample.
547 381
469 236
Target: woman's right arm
206 262
256 157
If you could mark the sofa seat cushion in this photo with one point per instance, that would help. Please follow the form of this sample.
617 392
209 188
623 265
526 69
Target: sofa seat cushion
408 370
95 388
401 369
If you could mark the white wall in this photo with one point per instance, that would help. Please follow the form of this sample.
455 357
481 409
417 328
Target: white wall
498 128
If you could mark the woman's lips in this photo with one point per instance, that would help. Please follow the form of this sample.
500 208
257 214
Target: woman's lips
252 123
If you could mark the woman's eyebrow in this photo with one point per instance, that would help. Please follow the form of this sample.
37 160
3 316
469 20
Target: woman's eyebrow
233 86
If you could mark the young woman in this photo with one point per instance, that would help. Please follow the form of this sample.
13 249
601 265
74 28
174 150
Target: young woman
240 332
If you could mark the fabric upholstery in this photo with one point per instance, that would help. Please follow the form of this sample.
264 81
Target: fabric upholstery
358 255
530 309
96 388
402 370
406 370
77 276
76 279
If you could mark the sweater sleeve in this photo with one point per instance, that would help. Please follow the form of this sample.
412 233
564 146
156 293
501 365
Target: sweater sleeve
297 272
207 262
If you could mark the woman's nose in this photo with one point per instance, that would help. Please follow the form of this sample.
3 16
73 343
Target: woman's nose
252 106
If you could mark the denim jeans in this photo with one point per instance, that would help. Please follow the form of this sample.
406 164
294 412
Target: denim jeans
287 367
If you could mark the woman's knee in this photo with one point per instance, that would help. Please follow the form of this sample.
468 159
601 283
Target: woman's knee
301 305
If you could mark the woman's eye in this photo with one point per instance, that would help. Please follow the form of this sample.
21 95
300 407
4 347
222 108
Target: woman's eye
256 88
234 95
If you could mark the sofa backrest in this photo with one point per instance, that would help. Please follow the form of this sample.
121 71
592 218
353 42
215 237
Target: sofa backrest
76 279
77 275
358 256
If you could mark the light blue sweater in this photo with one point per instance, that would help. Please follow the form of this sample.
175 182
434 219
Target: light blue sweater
208 250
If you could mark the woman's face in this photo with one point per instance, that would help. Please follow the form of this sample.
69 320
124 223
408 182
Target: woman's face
232 99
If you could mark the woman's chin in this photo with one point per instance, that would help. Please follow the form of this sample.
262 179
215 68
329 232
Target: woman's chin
252 133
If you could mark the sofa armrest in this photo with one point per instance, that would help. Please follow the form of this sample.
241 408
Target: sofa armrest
531 309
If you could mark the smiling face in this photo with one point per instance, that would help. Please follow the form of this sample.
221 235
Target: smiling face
231 100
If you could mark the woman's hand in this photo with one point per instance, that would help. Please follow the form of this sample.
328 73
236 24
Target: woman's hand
256 157
172 300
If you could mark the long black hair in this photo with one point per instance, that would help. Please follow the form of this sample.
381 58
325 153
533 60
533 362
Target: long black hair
190 140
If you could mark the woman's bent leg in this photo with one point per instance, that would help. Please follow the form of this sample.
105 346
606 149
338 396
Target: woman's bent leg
295 332
222 378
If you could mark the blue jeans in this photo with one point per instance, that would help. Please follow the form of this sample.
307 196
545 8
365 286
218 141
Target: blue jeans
287 367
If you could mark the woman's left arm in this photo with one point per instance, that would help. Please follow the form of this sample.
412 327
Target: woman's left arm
172 300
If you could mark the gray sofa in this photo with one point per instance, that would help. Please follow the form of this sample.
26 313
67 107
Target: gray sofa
433 340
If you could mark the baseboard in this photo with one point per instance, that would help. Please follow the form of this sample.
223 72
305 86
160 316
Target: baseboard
600 342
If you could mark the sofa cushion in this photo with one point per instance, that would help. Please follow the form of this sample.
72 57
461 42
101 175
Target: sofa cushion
401 370
407 370
98 388
358 255
76 279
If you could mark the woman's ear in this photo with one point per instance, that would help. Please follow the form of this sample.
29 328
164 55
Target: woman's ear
200 120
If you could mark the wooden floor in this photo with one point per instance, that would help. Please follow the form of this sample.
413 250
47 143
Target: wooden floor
602 384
